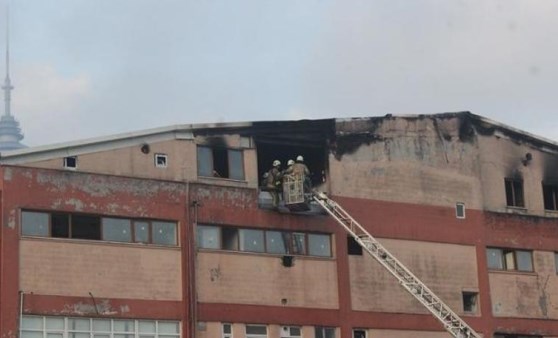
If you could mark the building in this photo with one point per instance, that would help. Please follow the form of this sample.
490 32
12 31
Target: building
165 233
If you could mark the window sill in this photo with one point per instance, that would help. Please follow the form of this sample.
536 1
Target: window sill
99 242
222 179
263 254
516 210
513 272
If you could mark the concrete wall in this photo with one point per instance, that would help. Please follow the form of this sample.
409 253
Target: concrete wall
526 295
406 334
182 162
263 280
447 269
214 329
500 158
410 160
70 268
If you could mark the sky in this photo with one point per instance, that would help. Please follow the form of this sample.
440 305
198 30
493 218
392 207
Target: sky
84 68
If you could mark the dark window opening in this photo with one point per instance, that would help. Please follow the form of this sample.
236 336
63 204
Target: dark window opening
220 162
353 248
161 160
550 196
470 301
230 239
359 333
60 225
86 227
70 162
514 192
315 159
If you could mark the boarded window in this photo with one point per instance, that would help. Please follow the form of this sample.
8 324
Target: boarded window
514 192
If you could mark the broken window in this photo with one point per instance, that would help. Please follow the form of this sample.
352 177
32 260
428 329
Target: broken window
86 227
324 332
470 301
550 196
353 247
60 225
359 333
230 239
514 192
256 331
161 160
70 162
509 259
117 229
220 162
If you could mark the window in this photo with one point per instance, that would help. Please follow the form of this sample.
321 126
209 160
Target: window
208 237
70 162
319 245
252 240
353 248
58 327
256 331
92 227
509 259
470 301
514 192
291 332
220 162
227 330
117 230
160 160
268 241
359 333
550 196
460 210
324 332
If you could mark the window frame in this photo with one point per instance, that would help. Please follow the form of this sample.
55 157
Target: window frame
508 259
255 335
552 194
66 165
158 156
212 159
71 236
515 192
226 334
230 239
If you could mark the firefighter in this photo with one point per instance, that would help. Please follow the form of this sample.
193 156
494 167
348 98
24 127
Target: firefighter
273 184
300 169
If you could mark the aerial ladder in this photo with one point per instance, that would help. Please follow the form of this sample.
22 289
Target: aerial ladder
451 321
297 200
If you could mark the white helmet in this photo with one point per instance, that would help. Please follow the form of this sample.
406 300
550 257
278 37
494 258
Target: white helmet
299 158
290 162
276 163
